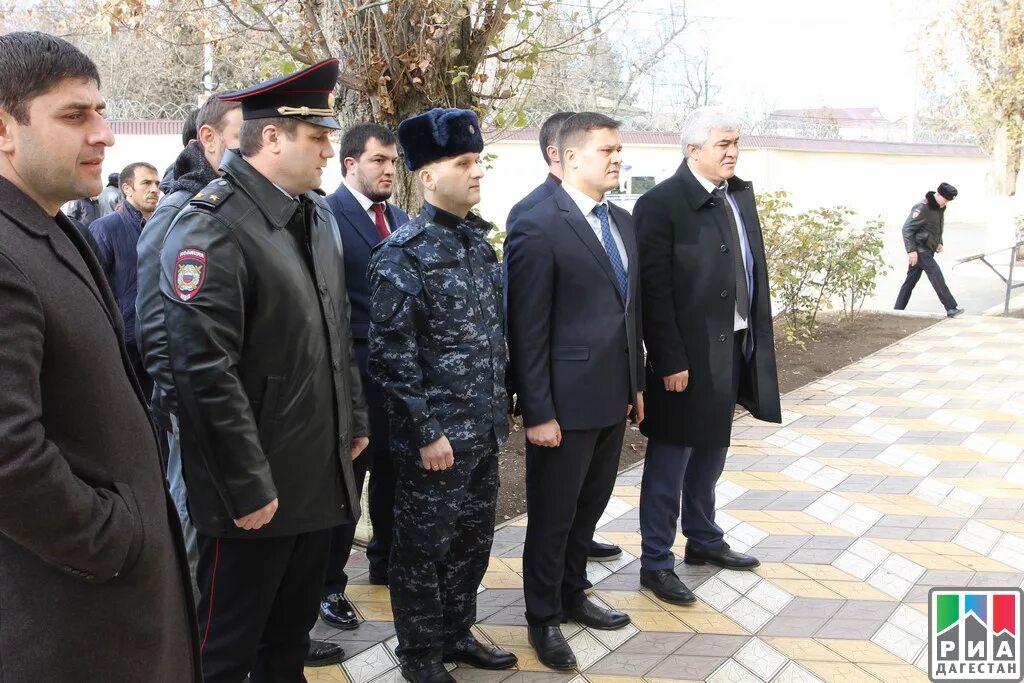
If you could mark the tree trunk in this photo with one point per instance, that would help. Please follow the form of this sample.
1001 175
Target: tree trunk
1006 152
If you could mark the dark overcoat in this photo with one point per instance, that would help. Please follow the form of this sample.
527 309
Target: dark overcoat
689 300
94 583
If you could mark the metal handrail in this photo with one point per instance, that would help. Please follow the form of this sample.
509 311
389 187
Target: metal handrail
1007 279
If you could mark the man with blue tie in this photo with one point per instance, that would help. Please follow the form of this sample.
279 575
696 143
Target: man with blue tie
597 551
709 340
574 339
365 218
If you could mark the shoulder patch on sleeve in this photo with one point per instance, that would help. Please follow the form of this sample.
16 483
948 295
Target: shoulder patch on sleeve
385 301
916 212
213 195
189 273
398 275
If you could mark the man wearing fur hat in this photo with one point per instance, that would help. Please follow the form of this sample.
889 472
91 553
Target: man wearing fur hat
922 236
437 350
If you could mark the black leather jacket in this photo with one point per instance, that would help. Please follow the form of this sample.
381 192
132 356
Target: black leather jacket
268 390
923 228
193 173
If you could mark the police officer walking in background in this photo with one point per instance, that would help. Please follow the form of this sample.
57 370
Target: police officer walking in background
270 404
922 237
437 349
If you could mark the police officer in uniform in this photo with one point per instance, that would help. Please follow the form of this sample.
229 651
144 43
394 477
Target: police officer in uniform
270 405
437 349
922 237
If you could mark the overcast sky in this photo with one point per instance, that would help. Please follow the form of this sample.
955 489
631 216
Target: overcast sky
789 54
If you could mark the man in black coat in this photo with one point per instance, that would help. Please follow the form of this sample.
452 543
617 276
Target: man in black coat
599 552
574 339
922 237
269 398
365 217
708 333
93 579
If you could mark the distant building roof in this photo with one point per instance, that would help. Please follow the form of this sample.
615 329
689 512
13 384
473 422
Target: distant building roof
787 143
830 114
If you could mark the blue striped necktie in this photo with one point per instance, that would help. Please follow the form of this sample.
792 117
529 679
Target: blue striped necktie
601 211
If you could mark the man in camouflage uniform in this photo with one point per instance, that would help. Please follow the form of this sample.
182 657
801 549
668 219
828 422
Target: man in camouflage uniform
437 349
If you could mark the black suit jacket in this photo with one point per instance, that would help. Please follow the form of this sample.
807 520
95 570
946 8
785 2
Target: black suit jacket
536 196
359 236
689 300
574 343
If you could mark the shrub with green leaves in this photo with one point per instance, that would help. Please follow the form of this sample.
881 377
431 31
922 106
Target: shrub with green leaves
816 259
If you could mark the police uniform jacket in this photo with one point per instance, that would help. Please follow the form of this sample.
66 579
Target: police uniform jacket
269 397
923 227
192 173
437 342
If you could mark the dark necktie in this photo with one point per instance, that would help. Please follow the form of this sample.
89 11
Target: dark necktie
601 211
742 296
378 219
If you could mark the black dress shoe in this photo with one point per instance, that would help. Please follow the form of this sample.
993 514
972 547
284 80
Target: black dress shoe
482 656
378 578
666 585
322 653
603 552
551 648
953 312
724 557
337 611
431 673
591 614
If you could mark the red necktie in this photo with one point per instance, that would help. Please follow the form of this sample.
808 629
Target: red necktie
378 218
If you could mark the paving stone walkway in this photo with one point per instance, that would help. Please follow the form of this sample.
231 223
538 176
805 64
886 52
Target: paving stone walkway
901 472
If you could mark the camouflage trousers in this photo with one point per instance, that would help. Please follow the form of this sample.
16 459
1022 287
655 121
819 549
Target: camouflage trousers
444 526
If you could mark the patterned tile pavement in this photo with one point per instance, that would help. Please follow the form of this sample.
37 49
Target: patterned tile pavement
900 472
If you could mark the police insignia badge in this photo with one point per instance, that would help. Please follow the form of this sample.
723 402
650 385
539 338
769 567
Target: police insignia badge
916 212
189 273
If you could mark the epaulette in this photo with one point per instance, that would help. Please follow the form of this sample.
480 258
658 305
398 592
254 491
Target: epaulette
213 195
406 233
317 197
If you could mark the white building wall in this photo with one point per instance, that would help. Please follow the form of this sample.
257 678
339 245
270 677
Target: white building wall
870 184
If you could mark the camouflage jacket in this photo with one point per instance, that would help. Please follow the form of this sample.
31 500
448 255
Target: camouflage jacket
437 337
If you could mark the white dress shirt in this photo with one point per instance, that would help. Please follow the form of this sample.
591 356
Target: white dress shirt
586 205
367 204
739 321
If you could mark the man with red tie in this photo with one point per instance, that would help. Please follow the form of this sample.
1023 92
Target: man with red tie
365 217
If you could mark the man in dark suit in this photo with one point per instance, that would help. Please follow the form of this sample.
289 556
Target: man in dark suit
708 334
365 218
600 552
93 578
574 337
